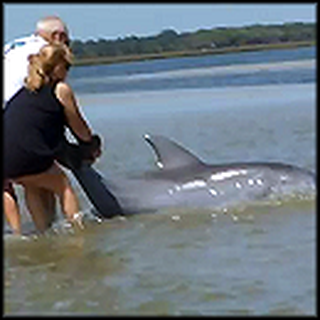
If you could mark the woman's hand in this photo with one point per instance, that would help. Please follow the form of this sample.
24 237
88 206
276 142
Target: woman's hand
90 151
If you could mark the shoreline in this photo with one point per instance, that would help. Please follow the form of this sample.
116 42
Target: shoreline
191 53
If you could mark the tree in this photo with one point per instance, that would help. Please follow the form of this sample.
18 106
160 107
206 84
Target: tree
170 40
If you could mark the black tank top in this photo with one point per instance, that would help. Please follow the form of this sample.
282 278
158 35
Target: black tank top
34 125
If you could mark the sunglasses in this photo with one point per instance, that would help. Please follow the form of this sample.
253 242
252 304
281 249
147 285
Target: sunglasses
63 37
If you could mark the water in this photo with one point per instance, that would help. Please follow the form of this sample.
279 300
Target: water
258 260
199 72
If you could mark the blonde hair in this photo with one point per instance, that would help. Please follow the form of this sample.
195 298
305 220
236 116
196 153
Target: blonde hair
42 64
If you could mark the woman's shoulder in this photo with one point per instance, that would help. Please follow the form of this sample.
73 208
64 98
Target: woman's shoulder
63 90
63 87
64 94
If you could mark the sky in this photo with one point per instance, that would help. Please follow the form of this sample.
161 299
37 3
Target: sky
111 21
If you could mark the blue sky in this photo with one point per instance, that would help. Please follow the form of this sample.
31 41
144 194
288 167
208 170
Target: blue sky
110 21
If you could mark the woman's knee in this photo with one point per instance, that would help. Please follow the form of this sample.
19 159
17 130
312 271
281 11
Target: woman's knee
9 190
54 179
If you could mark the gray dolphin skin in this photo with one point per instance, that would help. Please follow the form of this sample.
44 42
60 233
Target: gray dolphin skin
182 180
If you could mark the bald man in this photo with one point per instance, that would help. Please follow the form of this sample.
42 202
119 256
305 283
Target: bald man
50 29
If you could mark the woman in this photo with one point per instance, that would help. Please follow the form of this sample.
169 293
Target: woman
34 123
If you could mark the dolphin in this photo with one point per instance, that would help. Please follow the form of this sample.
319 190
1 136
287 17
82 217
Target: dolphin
182 180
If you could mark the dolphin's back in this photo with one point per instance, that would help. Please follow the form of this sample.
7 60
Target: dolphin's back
183 180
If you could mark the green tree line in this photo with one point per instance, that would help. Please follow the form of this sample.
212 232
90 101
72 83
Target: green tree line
170 41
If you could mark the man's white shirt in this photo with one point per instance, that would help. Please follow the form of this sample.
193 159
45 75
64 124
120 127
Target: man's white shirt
16 62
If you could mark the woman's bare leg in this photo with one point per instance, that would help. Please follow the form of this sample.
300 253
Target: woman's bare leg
11 211
37 204
49 201
40 202
55 180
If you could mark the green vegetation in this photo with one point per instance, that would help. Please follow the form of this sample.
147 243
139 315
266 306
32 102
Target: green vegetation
169 43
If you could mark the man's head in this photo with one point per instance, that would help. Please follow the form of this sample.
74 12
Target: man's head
53 30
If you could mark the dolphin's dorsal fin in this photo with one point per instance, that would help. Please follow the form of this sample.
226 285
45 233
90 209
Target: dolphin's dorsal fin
169 154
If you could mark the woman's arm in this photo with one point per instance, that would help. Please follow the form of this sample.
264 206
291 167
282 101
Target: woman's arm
77 123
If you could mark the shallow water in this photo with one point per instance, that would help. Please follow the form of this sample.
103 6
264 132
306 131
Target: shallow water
258 260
